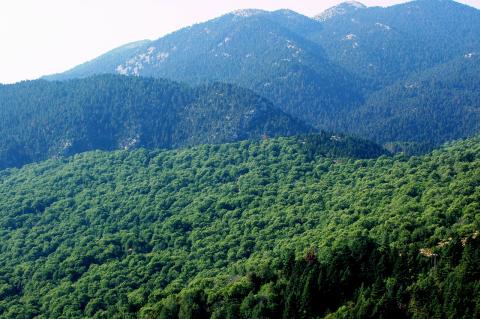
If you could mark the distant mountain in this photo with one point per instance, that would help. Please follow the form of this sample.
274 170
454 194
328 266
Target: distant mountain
384 45
331 71
347 7
40 119
262 51
437 105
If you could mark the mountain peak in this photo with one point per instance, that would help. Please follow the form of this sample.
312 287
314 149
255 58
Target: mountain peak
247 12
354 4
286 12
341 9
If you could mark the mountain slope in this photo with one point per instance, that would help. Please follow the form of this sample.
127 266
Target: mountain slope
328 71
217 231
262 51
40 119
387 44
437 105
380 44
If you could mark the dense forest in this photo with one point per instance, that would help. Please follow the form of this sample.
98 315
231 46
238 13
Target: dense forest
302 227
440 104
40 119
258 165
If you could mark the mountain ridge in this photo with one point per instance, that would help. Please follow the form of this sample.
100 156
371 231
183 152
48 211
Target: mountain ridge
340 9
41 119
322 73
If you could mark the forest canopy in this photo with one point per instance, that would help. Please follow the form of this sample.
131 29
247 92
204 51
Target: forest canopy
279 228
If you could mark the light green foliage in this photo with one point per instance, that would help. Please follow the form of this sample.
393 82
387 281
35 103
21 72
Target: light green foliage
151 232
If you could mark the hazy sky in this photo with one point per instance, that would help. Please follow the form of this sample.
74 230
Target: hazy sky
41 37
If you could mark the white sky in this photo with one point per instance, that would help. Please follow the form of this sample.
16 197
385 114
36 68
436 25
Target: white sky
40 37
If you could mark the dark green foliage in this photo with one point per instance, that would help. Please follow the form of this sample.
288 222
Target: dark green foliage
338 145
40 119
358 280
266 229
441 104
